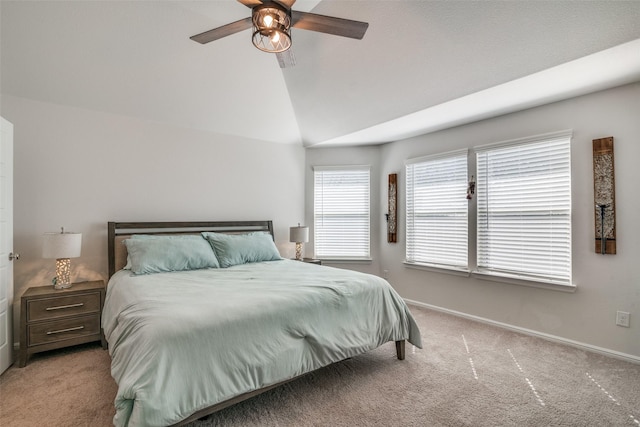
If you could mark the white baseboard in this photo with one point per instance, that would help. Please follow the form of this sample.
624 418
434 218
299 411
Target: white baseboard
578 344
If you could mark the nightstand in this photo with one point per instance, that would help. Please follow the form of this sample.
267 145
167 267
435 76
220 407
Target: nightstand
312 261
52 318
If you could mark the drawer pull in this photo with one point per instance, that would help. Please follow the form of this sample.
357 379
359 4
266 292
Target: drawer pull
60 307
77 328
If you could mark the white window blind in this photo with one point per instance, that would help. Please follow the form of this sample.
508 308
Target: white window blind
437 223
524 209
341 212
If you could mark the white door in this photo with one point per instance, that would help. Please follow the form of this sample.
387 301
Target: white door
6 244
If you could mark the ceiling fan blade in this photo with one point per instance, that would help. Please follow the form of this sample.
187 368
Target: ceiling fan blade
220 32
329 24
251 3
286 59
288 3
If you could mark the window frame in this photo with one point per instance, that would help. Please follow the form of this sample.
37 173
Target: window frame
433 261
472 237
524 277
335 257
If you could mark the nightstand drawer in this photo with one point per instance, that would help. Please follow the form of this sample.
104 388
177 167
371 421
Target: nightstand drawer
57 307
64 329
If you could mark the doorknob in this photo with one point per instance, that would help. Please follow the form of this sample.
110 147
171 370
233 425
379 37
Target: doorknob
13 256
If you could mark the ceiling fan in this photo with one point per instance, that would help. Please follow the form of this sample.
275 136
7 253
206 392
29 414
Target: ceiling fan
271 23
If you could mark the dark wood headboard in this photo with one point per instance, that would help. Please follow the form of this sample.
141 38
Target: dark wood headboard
118 231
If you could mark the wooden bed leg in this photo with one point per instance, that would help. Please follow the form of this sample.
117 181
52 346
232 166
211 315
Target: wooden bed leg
400 349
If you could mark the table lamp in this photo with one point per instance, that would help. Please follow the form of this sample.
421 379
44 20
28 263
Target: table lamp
299 235
62 246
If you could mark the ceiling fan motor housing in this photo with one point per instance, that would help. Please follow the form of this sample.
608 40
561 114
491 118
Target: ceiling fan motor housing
271 27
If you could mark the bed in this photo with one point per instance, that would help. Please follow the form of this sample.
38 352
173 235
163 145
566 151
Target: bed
188 338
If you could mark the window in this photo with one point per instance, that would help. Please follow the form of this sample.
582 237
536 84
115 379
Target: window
341 212
437 218
524 209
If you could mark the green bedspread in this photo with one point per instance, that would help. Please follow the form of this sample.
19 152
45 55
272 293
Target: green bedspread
184 341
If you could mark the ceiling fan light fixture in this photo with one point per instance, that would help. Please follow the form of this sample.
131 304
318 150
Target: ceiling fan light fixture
271 27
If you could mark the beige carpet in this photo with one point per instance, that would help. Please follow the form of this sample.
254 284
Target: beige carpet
469 374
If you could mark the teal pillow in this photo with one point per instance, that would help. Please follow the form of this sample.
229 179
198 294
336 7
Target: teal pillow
136 236
155 254
235 249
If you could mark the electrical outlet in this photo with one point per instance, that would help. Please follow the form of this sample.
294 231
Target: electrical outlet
385 274
622 318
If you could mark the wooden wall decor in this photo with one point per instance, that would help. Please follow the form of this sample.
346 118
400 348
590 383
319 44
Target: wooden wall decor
392 219
604 196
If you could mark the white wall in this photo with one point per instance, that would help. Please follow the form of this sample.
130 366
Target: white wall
605 284
79 169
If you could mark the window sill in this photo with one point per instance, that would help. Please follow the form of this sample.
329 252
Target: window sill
494 277
346 260
438 269
514 280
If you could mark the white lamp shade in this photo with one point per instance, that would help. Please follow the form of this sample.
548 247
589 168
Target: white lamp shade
62 245
299 234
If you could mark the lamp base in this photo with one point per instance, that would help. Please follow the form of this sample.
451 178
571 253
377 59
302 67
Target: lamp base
63 274
61 285
298 251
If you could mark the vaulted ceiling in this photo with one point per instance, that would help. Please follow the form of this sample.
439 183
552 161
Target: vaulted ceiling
422 65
